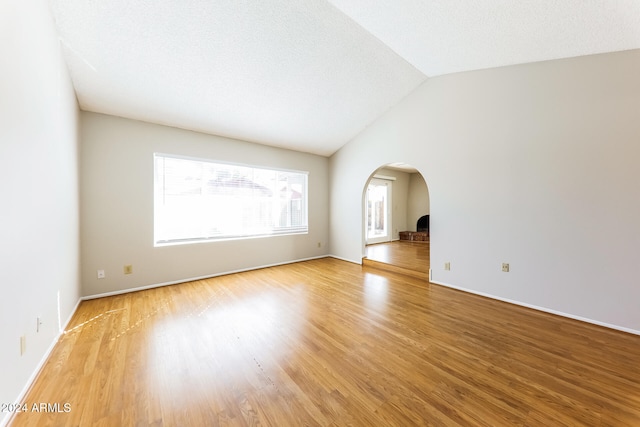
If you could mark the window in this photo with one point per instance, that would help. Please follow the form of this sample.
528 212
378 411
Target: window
200 200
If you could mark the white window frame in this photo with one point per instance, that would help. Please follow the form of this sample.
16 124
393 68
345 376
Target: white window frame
203 200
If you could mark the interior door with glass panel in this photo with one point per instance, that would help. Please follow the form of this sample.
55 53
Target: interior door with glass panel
378 212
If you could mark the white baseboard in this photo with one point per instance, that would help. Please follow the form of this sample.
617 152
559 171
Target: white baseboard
192 279
543 309
359 262
66 323
5 421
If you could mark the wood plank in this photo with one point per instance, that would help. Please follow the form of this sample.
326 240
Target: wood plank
325 342
366 262
406 255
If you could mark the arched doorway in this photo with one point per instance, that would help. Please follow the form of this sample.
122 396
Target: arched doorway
395 197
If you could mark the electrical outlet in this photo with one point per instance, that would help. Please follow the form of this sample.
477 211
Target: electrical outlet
447 266
505 267
101 274
23 345
38 324
128 269
319 244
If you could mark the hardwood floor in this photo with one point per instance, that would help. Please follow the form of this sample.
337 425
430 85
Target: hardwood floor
400 256
329 343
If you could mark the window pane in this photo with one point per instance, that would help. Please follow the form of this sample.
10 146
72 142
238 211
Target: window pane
198 199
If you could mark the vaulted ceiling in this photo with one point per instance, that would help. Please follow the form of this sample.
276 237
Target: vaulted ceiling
308 74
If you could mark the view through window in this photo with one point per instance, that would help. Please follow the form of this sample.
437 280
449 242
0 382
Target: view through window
198 200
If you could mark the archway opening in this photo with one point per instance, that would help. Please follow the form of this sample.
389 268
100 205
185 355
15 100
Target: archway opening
396 220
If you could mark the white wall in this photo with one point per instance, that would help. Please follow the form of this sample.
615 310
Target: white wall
39 225
117 206
418 203
535 165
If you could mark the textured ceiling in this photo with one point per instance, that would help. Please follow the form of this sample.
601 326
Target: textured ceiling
308 74
448 36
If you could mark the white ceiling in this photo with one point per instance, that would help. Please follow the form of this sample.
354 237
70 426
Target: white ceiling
308 74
